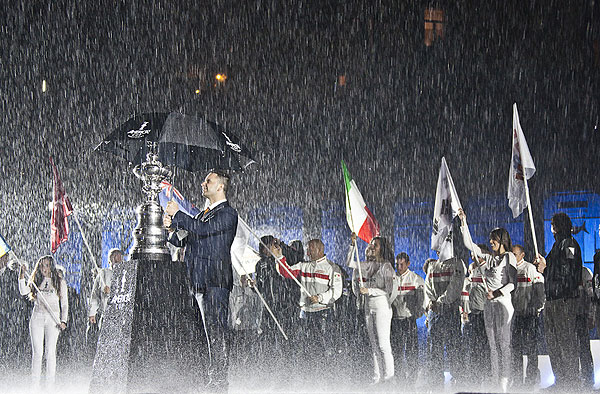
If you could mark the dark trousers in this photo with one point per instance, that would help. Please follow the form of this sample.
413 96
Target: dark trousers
524 343
585 354
214 305
478 349
560 327
444 339
317 337
405 347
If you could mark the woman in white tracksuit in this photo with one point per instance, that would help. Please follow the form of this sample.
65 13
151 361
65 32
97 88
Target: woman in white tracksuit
376 288
49 316
499 272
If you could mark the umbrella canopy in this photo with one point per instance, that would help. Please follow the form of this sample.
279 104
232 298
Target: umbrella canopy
185 141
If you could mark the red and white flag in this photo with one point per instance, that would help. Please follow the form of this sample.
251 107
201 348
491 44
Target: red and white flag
445 210
360 219
61 209
521 167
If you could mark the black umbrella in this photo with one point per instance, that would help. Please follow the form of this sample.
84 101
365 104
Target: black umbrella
185 141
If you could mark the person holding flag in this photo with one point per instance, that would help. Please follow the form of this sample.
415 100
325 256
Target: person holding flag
372 280
444 283
47 289
374 289
324 284
500 277
101 288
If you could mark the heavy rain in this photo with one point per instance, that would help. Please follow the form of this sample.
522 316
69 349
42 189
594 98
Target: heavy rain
389 88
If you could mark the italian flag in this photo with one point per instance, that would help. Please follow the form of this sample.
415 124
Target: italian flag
360 219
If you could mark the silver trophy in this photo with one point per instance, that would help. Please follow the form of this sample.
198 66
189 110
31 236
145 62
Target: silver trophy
150 235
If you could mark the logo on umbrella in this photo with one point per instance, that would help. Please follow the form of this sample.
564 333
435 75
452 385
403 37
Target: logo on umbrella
139 133
234 147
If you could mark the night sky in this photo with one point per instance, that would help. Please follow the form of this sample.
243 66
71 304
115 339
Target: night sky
404 105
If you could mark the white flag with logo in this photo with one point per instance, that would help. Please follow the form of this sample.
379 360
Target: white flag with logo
521 166
445 210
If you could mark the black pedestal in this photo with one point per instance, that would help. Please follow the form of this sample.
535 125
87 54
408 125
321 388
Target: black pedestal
152 339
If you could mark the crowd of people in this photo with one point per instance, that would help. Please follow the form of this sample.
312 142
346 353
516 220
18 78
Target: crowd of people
481 318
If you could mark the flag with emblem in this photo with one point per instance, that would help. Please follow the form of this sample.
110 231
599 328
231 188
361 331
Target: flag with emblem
521 168
169 193
61 209
359 217
445 210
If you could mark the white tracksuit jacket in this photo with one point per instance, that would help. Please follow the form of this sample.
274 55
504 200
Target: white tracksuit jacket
319 277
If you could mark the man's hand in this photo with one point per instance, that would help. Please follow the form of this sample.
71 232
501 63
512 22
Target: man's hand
106 289
172 208
93 319
353 237
62 326
540 263
364 290
167 221
314 299
433 306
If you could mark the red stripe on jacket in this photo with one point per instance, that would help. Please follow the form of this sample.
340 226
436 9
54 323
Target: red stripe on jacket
285 270
441 274
401 288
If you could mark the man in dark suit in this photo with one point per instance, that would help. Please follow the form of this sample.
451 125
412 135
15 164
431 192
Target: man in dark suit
208 244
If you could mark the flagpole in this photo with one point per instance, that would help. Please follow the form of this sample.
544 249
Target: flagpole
360 277
85 240
262 299
530 215
276 258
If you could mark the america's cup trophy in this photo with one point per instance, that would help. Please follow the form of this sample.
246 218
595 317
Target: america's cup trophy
150 339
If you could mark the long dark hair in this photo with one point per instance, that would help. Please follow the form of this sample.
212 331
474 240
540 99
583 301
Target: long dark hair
37 277
386 252
500 235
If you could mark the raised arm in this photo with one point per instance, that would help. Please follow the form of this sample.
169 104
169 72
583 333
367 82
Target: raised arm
24 289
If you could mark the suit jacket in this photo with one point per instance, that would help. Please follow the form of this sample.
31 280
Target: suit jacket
208 245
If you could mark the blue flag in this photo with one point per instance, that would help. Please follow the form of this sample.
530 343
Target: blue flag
4 248
169 193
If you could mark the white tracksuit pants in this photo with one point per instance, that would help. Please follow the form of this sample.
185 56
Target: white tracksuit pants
498 315
378 319
44 335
